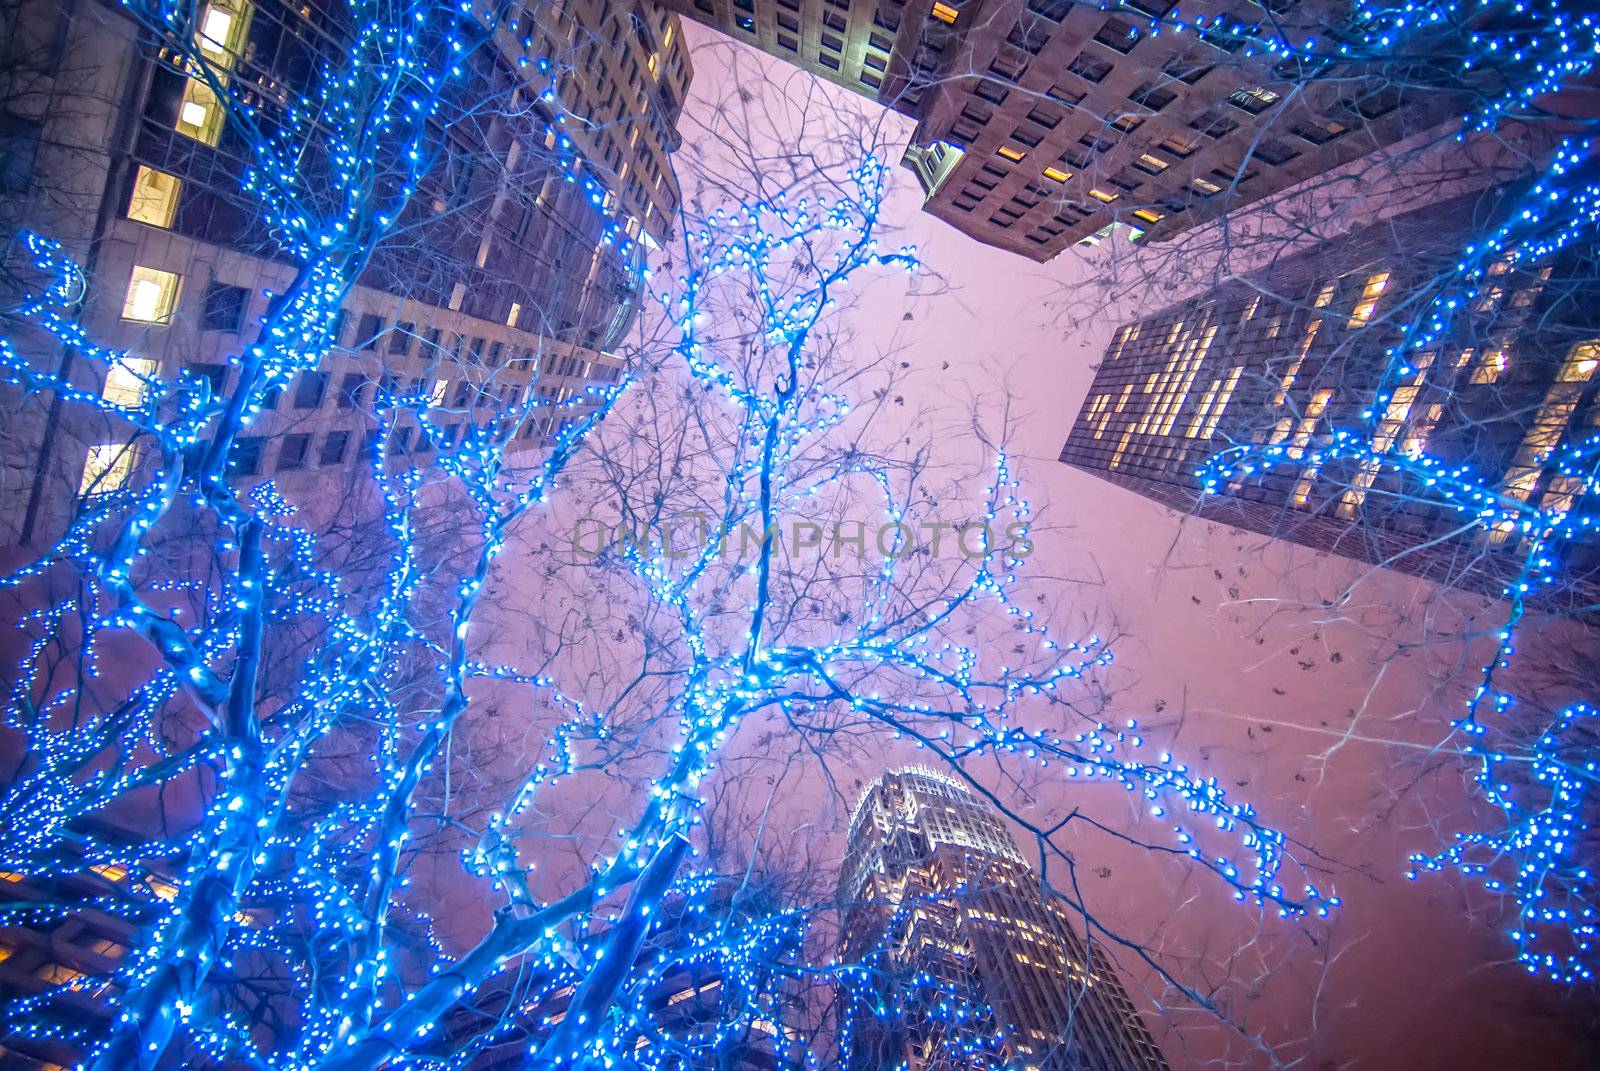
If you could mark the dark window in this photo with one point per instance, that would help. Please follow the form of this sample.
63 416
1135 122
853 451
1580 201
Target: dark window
334 447
352 389
830 62
1186 69
830 41
1022 137
1274 152
1064 94
745 23
1029 34
1119 34
1089 67
1213 124
1054 10
292 454
400 338
789 22
1154 8
1047 118
215 375
787 42
874 61
368 330
224 308
369 444
310 389
399 441
1253 99
1153 95
1318 132
246 459
19 144
881 43
991 91
495 349
1227 41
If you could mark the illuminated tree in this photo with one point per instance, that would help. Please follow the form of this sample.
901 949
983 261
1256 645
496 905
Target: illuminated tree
300 709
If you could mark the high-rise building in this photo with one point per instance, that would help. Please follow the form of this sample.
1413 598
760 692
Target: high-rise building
962 959
1292 356
510 279
1041 123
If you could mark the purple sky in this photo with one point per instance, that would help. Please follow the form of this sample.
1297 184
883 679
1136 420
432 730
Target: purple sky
1311 715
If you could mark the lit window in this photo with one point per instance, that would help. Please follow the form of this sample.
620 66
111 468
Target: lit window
155 197
1148 216
200 114
1153 162
1580 363
222 32
1009 153
1325 297
1102 196
1369 299
1490 365
106 468
1057 174
511 317
128 382
945 13
152 296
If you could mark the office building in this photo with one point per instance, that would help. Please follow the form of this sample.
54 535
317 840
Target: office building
1294 354
963 958
1040 124
509 281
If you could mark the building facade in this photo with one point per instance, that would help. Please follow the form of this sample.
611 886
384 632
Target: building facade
512 277
1042 123
1285 360
962 960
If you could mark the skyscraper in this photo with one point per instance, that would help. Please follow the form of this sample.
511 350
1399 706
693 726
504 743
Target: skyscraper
1293 356
963 960
509 280
1041 123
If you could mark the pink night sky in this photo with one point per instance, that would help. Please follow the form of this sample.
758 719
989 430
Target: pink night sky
1327 719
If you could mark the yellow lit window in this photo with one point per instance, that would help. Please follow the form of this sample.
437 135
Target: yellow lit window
223 28
654 64
1102 196
200 114
1490 365
511 317
58 974
945 13
128 382
1057 174
436 397
1153 162
1369 299
152 295
106 468
1325 298
155 197
1148 216
1009 153
1580 363
666 38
